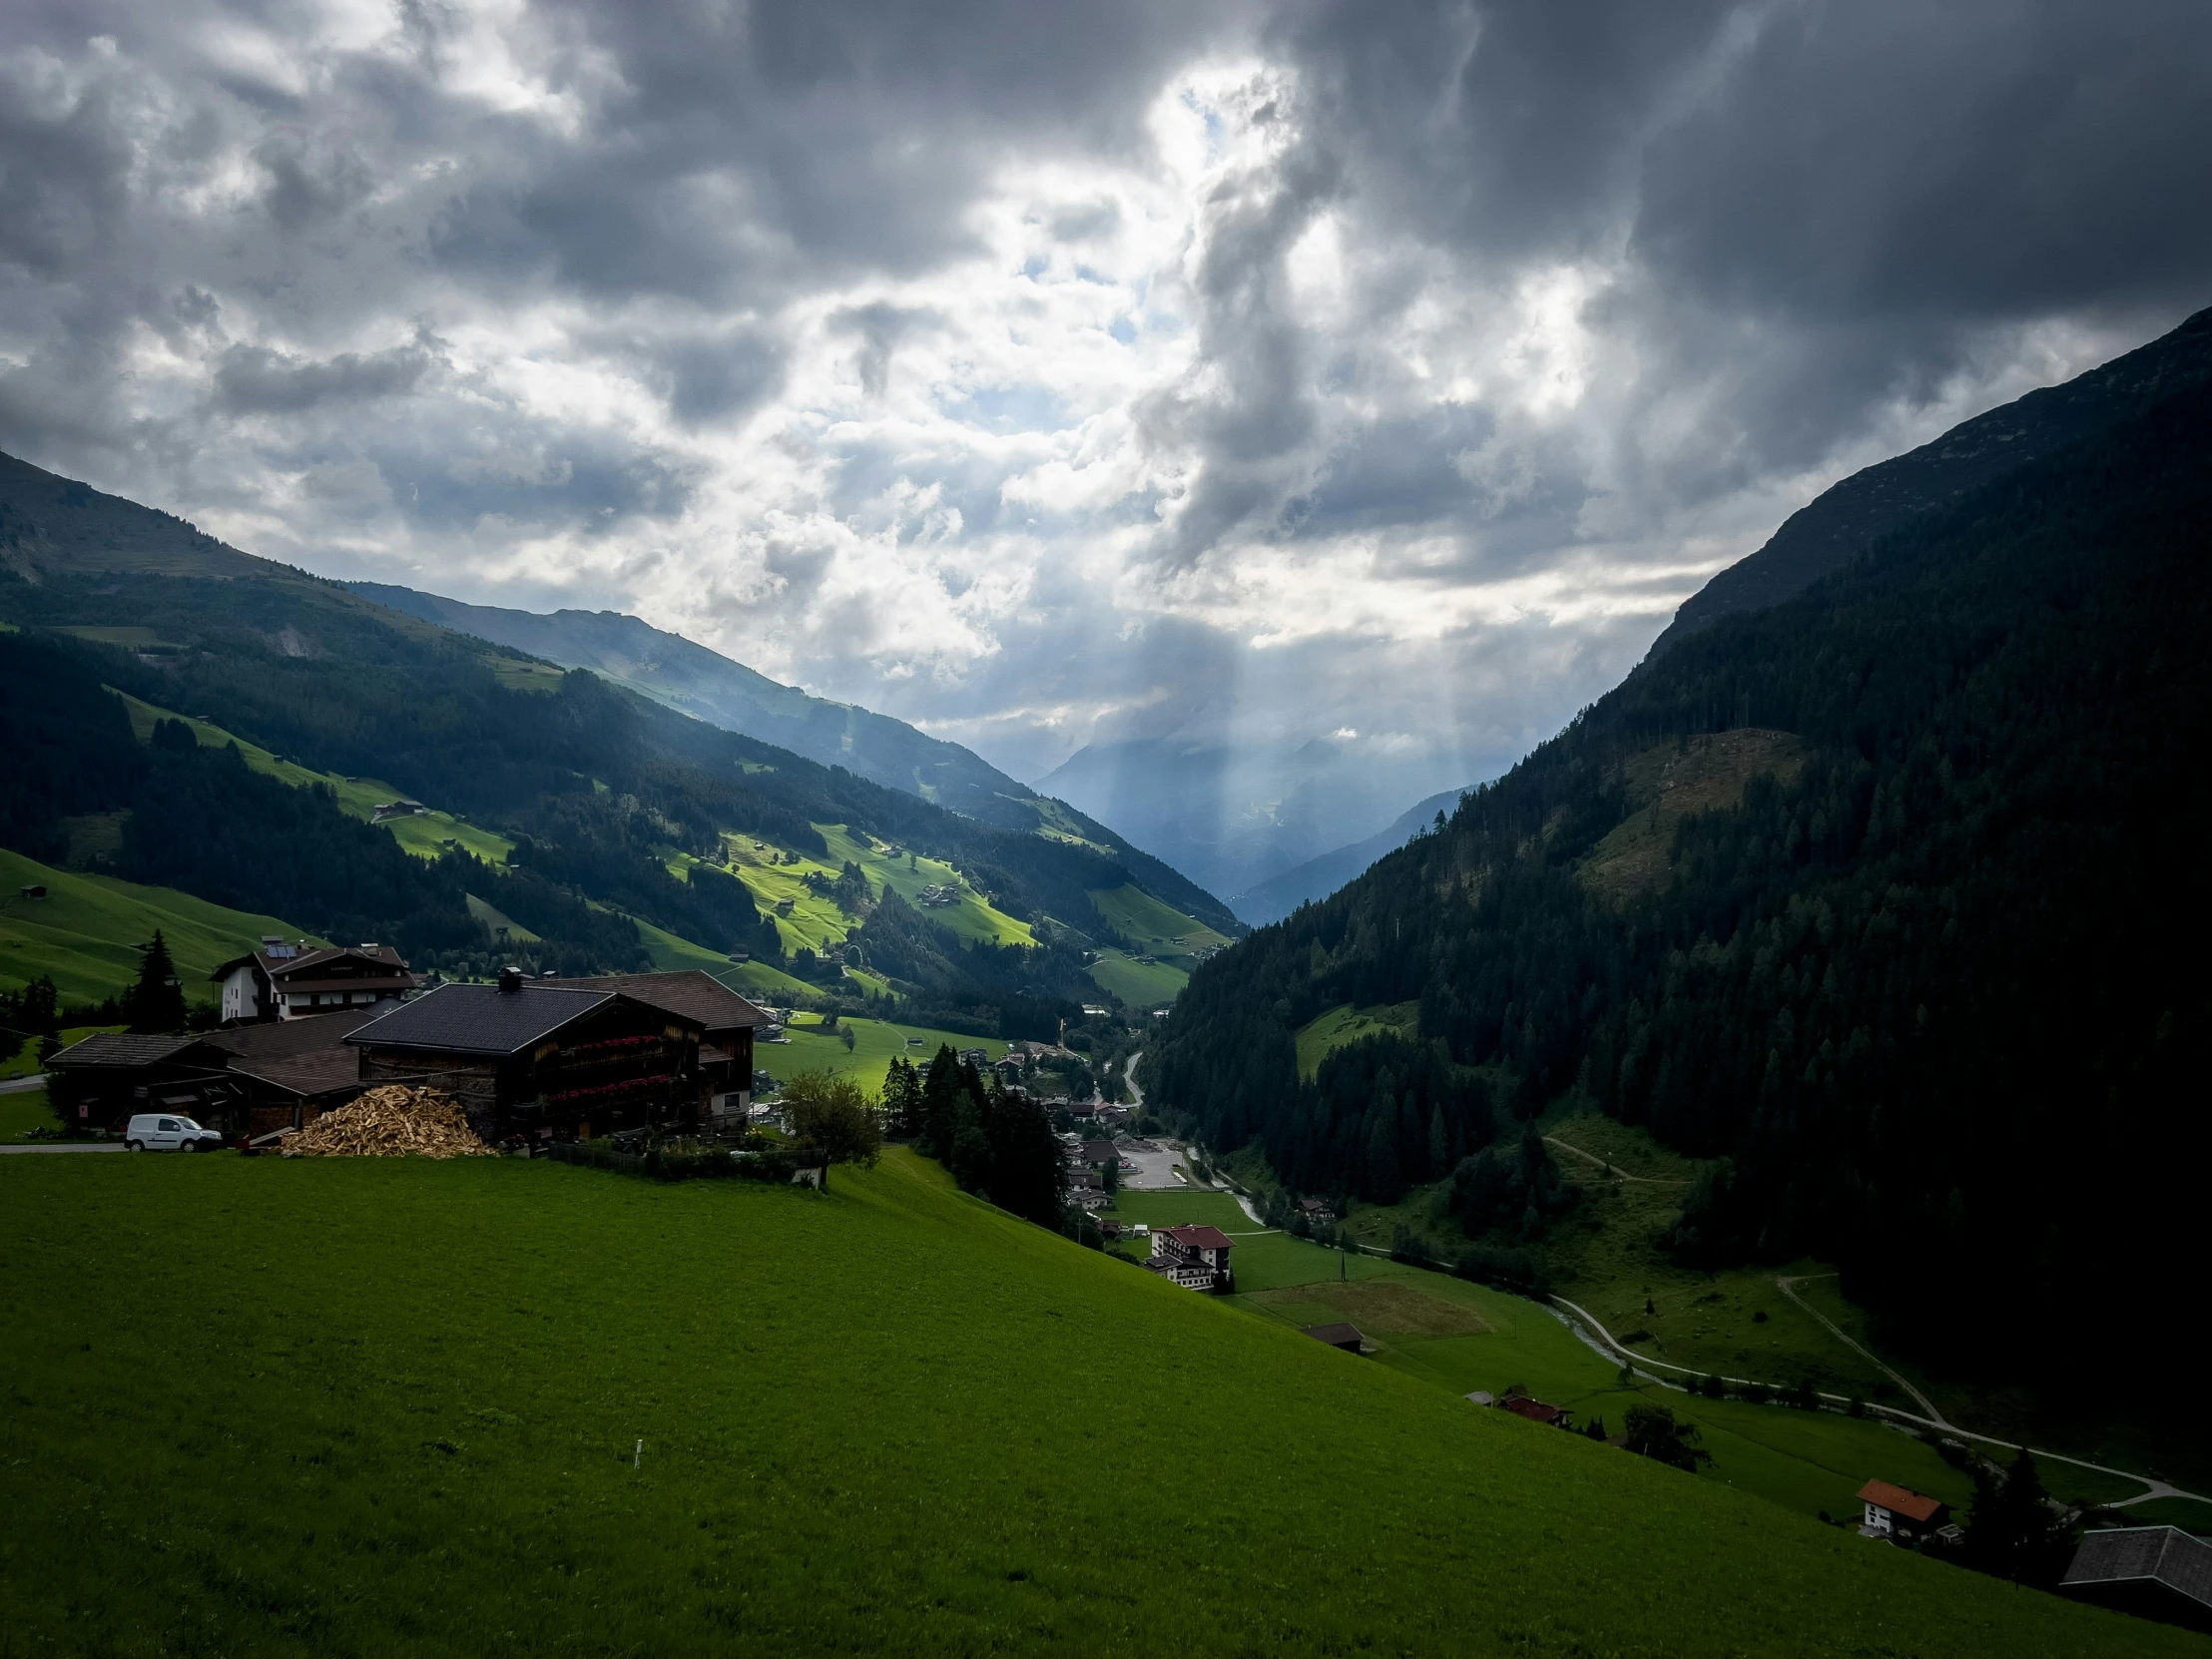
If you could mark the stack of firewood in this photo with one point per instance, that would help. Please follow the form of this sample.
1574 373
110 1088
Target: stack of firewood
391 1122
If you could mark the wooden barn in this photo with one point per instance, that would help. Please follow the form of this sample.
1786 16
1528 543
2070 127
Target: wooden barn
536 1057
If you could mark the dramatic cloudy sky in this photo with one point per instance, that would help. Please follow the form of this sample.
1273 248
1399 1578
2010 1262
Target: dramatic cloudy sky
1367 374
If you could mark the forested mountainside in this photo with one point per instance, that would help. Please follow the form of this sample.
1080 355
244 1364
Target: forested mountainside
688 676
604 804
1892 894
1882 500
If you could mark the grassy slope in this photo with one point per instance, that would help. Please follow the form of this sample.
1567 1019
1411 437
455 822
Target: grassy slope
22 1112
1807 1463
1138 985
1345 1024
874 1044
815 921
888 1417
87 930
424 833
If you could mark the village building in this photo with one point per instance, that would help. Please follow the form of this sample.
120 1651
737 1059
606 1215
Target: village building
100 1082
1522 1403
1318 1211
1099 1152
727 1025
1195 1257
287 1073
1346 1337
286 981
2154 1572
1900 1514
532 1057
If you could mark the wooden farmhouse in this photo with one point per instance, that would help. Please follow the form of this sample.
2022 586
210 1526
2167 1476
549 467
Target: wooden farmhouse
540 1058
1900 1514
283 981
727 1025
287 1073
99 1082
1195 1257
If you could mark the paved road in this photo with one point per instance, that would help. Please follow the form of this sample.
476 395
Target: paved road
23 1085
1129 1076
1605 1340
66 1146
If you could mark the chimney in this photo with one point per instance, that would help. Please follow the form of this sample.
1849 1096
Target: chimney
510 979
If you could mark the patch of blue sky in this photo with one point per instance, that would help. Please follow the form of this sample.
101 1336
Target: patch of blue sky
1017 408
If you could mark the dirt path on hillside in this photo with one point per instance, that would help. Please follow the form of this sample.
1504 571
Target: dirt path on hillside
1610 1169
1788 1287
1585 1324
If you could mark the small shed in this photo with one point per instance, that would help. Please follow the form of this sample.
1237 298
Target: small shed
1535 1410
2154 1572
1346 1337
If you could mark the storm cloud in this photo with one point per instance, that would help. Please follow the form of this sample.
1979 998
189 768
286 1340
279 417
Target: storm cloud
1370 375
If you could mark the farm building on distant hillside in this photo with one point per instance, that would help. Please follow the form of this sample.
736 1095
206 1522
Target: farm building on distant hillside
728 1023
1895 1512
2154 1572
527 1056
1519 1402
284 981
99 1082
1346 1337
1195 1257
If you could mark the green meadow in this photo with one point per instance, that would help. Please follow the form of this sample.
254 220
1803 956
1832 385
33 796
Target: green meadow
885 1418
1167 946
777 876
1345 1024
875 1043
1461 1337
22 1112
86 932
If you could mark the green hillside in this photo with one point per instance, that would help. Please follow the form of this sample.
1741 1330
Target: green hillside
86 932
892 1420
1166 945
426 833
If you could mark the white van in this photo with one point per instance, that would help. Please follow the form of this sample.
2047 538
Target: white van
169 1132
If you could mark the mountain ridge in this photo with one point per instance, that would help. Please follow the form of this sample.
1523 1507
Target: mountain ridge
1317 878
1823 536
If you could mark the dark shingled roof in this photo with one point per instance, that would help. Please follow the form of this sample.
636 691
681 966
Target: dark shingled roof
691 993
122 1048
1199 1238
2163 1553
479 1019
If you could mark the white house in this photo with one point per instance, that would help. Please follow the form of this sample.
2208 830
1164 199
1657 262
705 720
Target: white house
288 981
1195 1257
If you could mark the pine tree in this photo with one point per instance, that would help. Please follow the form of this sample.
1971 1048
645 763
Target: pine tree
157 1002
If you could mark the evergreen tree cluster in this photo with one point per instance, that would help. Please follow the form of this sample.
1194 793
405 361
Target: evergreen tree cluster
997 1145
1926 992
